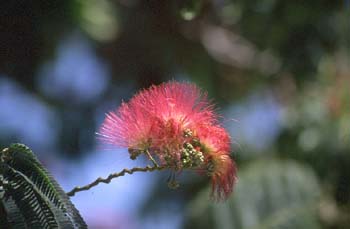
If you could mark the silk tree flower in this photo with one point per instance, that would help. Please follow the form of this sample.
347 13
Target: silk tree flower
215 144
176 124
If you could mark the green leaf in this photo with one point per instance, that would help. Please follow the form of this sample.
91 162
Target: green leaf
32 198
11 217
190 9
269 194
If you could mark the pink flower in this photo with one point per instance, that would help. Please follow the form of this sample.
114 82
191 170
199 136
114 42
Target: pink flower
129 126
216 143
223 176
156 119
176 124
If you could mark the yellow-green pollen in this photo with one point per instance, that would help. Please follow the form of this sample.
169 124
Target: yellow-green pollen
190 157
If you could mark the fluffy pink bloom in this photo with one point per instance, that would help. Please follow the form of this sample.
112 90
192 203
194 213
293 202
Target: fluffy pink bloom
214 138
176 124
223 176
129 126
156 118
216 143
182 102
174 107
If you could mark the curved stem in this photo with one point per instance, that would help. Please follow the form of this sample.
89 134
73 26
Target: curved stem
112 176
151 159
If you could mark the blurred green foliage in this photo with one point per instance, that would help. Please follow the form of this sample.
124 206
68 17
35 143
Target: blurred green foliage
269 194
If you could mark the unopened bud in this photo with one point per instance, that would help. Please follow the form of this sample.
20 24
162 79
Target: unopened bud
134 153
173 184
188 133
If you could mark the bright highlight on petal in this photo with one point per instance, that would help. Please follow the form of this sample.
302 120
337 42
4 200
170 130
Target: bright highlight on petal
175 123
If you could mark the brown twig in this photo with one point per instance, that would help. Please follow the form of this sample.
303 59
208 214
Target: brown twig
112 176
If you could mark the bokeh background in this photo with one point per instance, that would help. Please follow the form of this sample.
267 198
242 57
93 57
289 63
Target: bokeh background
278 71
